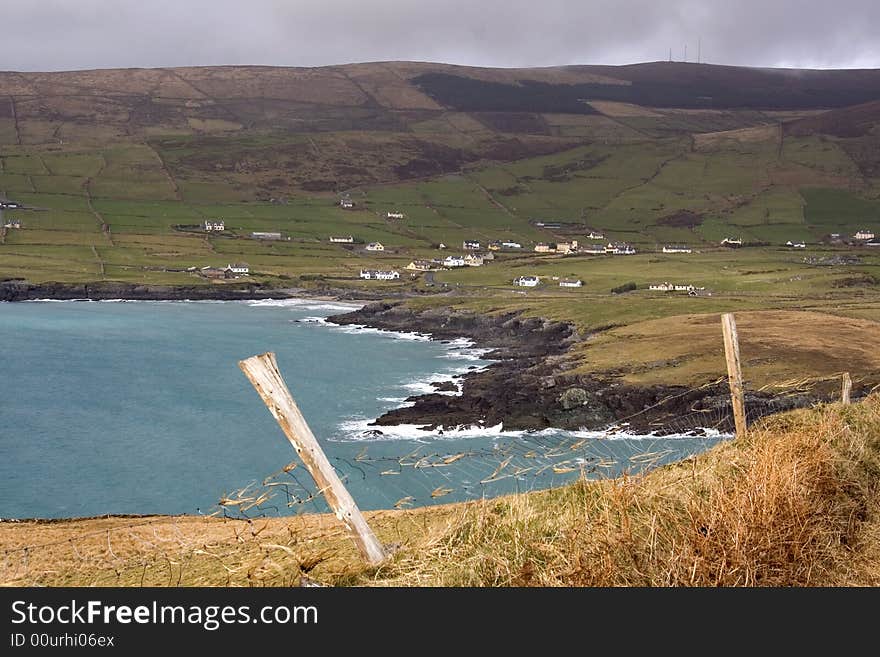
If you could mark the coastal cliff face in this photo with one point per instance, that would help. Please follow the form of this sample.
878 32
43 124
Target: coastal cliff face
532 386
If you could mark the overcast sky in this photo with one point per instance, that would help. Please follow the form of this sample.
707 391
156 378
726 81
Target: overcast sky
80 34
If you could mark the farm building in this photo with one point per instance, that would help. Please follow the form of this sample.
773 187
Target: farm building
676 248
348 239
864 235
619 248
12 223
395 215
471 245
423 265
214 272
526 281
346 203
670 287
511 245
265 236
494 245
375 246
796 245
454 261
379 275
543 247
595 236
732 242
571 282
211 225
567 247
592 249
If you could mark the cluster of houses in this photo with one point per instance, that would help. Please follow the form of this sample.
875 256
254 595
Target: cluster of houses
670 287
10 223
379 274
796 245
532 281
214 225
236 270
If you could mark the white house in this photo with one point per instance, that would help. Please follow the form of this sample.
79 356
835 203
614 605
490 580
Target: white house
570 282
595 236
211 225
395 215
379 275
12 223
543 247
730 241
676 248
511 245
796 245
473 260
375 246
348 239
239 268
454 261
441 245
346 203
471 245
661 287
526 281
864 235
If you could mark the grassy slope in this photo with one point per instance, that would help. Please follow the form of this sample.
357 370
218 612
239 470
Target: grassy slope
795 503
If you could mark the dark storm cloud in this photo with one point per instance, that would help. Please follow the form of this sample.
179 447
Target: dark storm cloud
76 34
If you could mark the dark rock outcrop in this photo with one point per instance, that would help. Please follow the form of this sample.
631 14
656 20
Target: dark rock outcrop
533 386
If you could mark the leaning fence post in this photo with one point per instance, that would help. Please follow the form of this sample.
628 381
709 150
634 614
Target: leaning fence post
734 372
262 370
846 388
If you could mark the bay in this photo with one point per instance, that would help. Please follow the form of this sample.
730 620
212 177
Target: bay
140 407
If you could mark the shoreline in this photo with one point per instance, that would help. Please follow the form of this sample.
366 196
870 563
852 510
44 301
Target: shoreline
17 289
530 384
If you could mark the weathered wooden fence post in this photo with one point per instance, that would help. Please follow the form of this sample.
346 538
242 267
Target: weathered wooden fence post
263 373
734 372
846 388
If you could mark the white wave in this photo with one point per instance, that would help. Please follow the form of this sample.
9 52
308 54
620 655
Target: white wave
304 304
312 320
362 429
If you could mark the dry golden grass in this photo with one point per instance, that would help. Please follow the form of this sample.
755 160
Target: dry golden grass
776 345
794 504
615 109
709 140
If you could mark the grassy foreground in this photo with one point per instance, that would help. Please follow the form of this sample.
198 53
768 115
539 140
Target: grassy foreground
794 504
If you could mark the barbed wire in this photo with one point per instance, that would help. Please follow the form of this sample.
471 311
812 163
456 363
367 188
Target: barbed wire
248 537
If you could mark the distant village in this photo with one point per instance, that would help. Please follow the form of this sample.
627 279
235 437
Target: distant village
476 253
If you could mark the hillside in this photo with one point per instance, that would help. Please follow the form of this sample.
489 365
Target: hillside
117 171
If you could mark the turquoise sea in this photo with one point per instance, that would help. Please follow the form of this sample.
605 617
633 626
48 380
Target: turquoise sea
140 407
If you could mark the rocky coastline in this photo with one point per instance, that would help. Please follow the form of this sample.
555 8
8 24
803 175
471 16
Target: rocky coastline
22 290
531 386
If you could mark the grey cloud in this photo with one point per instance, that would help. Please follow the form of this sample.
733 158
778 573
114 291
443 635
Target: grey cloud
77 34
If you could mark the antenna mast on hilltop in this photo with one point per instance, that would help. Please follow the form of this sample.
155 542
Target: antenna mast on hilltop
685 52
670 54
699 49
